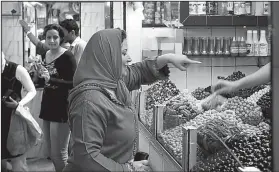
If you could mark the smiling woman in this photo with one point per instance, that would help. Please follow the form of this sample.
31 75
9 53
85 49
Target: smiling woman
56 72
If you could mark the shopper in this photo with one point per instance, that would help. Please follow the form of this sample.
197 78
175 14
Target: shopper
13 77
262 76
71 35
102 119
60 66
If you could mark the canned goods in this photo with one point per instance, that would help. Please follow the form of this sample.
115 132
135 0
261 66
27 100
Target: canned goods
211 46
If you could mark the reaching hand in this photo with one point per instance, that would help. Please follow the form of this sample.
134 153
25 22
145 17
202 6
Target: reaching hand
12 104
223 86
141 165
24 25
181 61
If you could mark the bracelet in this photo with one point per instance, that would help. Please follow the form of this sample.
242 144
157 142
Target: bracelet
28 32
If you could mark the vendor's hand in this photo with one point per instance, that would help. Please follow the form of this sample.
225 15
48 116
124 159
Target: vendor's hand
224 86
180 61
12 104
24 25
141 165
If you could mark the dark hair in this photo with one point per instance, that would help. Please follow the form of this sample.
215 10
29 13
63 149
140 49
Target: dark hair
54 27
69 25
123 34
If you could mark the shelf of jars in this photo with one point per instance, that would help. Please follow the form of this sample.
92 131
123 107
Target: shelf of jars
228 131
230 46
209 13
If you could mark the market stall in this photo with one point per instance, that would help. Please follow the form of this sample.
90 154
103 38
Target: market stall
189 129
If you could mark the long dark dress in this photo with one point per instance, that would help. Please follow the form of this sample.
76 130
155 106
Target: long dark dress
8 81
54 102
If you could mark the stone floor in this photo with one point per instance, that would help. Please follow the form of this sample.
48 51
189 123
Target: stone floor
38 165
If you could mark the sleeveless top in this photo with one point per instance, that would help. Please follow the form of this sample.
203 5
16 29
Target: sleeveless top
8 82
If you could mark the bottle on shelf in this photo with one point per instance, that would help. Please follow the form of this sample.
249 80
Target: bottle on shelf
211 46
263 45
236 8
266 8
184 50
230 8
242 8
234 47
222 8
196 49
204 46
211 8
255 43
218 46
259 8
242 47
248 8
249 43
226 46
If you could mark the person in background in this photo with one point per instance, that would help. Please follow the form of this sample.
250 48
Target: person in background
13 77
71 31
262 76
57 72
102 119
71 35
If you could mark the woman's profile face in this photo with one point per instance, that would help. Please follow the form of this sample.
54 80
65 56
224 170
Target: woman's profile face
125 57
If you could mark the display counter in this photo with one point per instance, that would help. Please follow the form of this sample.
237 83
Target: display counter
178 129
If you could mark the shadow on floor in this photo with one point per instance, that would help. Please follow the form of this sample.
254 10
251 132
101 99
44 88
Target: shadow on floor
40 165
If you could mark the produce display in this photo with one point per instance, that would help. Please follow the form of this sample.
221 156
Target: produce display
265 103
158 93
221 128
248 112
254 98
236 134
244 93
200 93
179 110
234 77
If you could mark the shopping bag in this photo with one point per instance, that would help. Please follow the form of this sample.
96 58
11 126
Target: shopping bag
24 132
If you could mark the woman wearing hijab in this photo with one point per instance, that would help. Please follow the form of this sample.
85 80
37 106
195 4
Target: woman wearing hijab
102 120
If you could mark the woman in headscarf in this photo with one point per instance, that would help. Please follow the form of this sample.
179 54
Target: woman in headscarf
102 119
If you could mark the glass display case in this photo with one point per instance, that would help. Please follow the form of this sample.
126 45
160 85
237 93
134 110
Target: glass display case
202 131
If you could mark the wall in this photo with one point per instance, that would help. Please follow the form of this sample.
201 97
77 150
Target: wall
12 40
199 75
92 18
134 32
118 15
